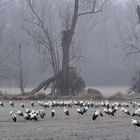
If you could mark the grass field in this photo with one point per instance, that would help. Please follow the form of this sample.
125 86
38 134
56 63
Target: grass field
62 127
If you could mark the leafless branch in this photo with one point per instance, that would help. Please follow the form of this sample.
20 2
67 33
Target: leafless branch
39 19
38 38
93 11
31 22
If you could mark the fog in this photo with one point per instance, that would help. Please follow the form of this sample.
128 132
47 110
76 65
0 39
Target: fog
99 38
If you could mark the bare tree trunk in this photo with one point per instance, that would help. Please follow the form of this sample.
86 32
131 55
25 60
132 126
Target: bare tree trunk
42 85
138 13
53 88
21 84
65 70
66 42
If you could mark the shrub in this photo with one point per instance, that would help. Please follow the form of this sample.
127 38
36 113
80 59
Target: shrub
75 83
135 88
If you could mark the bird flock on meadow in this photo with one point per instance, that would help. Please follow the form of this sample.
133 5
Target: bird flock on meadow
81 107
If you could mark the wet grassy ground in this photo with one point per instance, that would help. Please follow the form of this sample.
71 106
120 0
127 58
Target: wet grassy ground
61 127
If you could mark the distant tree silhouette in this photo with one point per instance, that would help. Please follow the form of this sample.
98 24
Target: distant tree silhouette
135 88
138 13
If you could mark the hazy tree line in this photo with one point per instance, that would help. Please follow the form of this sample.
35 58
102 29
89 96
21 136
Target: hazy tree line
58 42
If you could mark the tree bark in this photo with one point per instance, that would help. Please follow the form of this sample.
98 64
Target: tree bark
65 70
21 81
66 42
42 85
138 13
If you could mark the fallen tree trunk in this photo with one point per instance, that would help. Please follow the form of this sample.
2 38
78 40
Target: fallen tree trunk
44 85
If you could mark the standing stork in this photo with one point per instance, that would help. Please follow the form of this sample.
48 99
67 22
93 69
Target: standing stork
11 103
22 105
42 113
135 123
26 116
136 113
1 104
32 103
13 116
19 113
125 111
52 113
96 114
85 109
66 111
79 111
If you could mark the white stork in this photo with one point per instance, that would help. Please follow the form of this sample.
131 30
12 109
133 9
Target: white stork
52 113
96 114
135 123
66 111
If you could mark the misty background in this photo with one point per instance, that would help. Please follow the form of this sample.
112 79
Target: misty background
99 38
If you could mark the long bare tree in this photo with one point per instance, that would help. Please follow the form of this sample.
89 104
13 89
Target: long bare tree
128 27
3 49
17 73
61 74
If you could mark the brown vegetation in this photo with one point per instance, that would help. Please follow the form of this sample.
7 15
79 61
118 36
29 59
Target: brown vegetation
118 96
93 93
39 96
96 95
43 96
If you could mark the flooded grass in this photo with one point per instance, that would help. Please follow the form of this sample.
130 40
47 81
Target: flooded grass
61 127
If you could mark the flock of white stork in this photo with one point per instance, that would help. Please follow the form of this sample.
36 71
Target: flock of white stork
82 107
